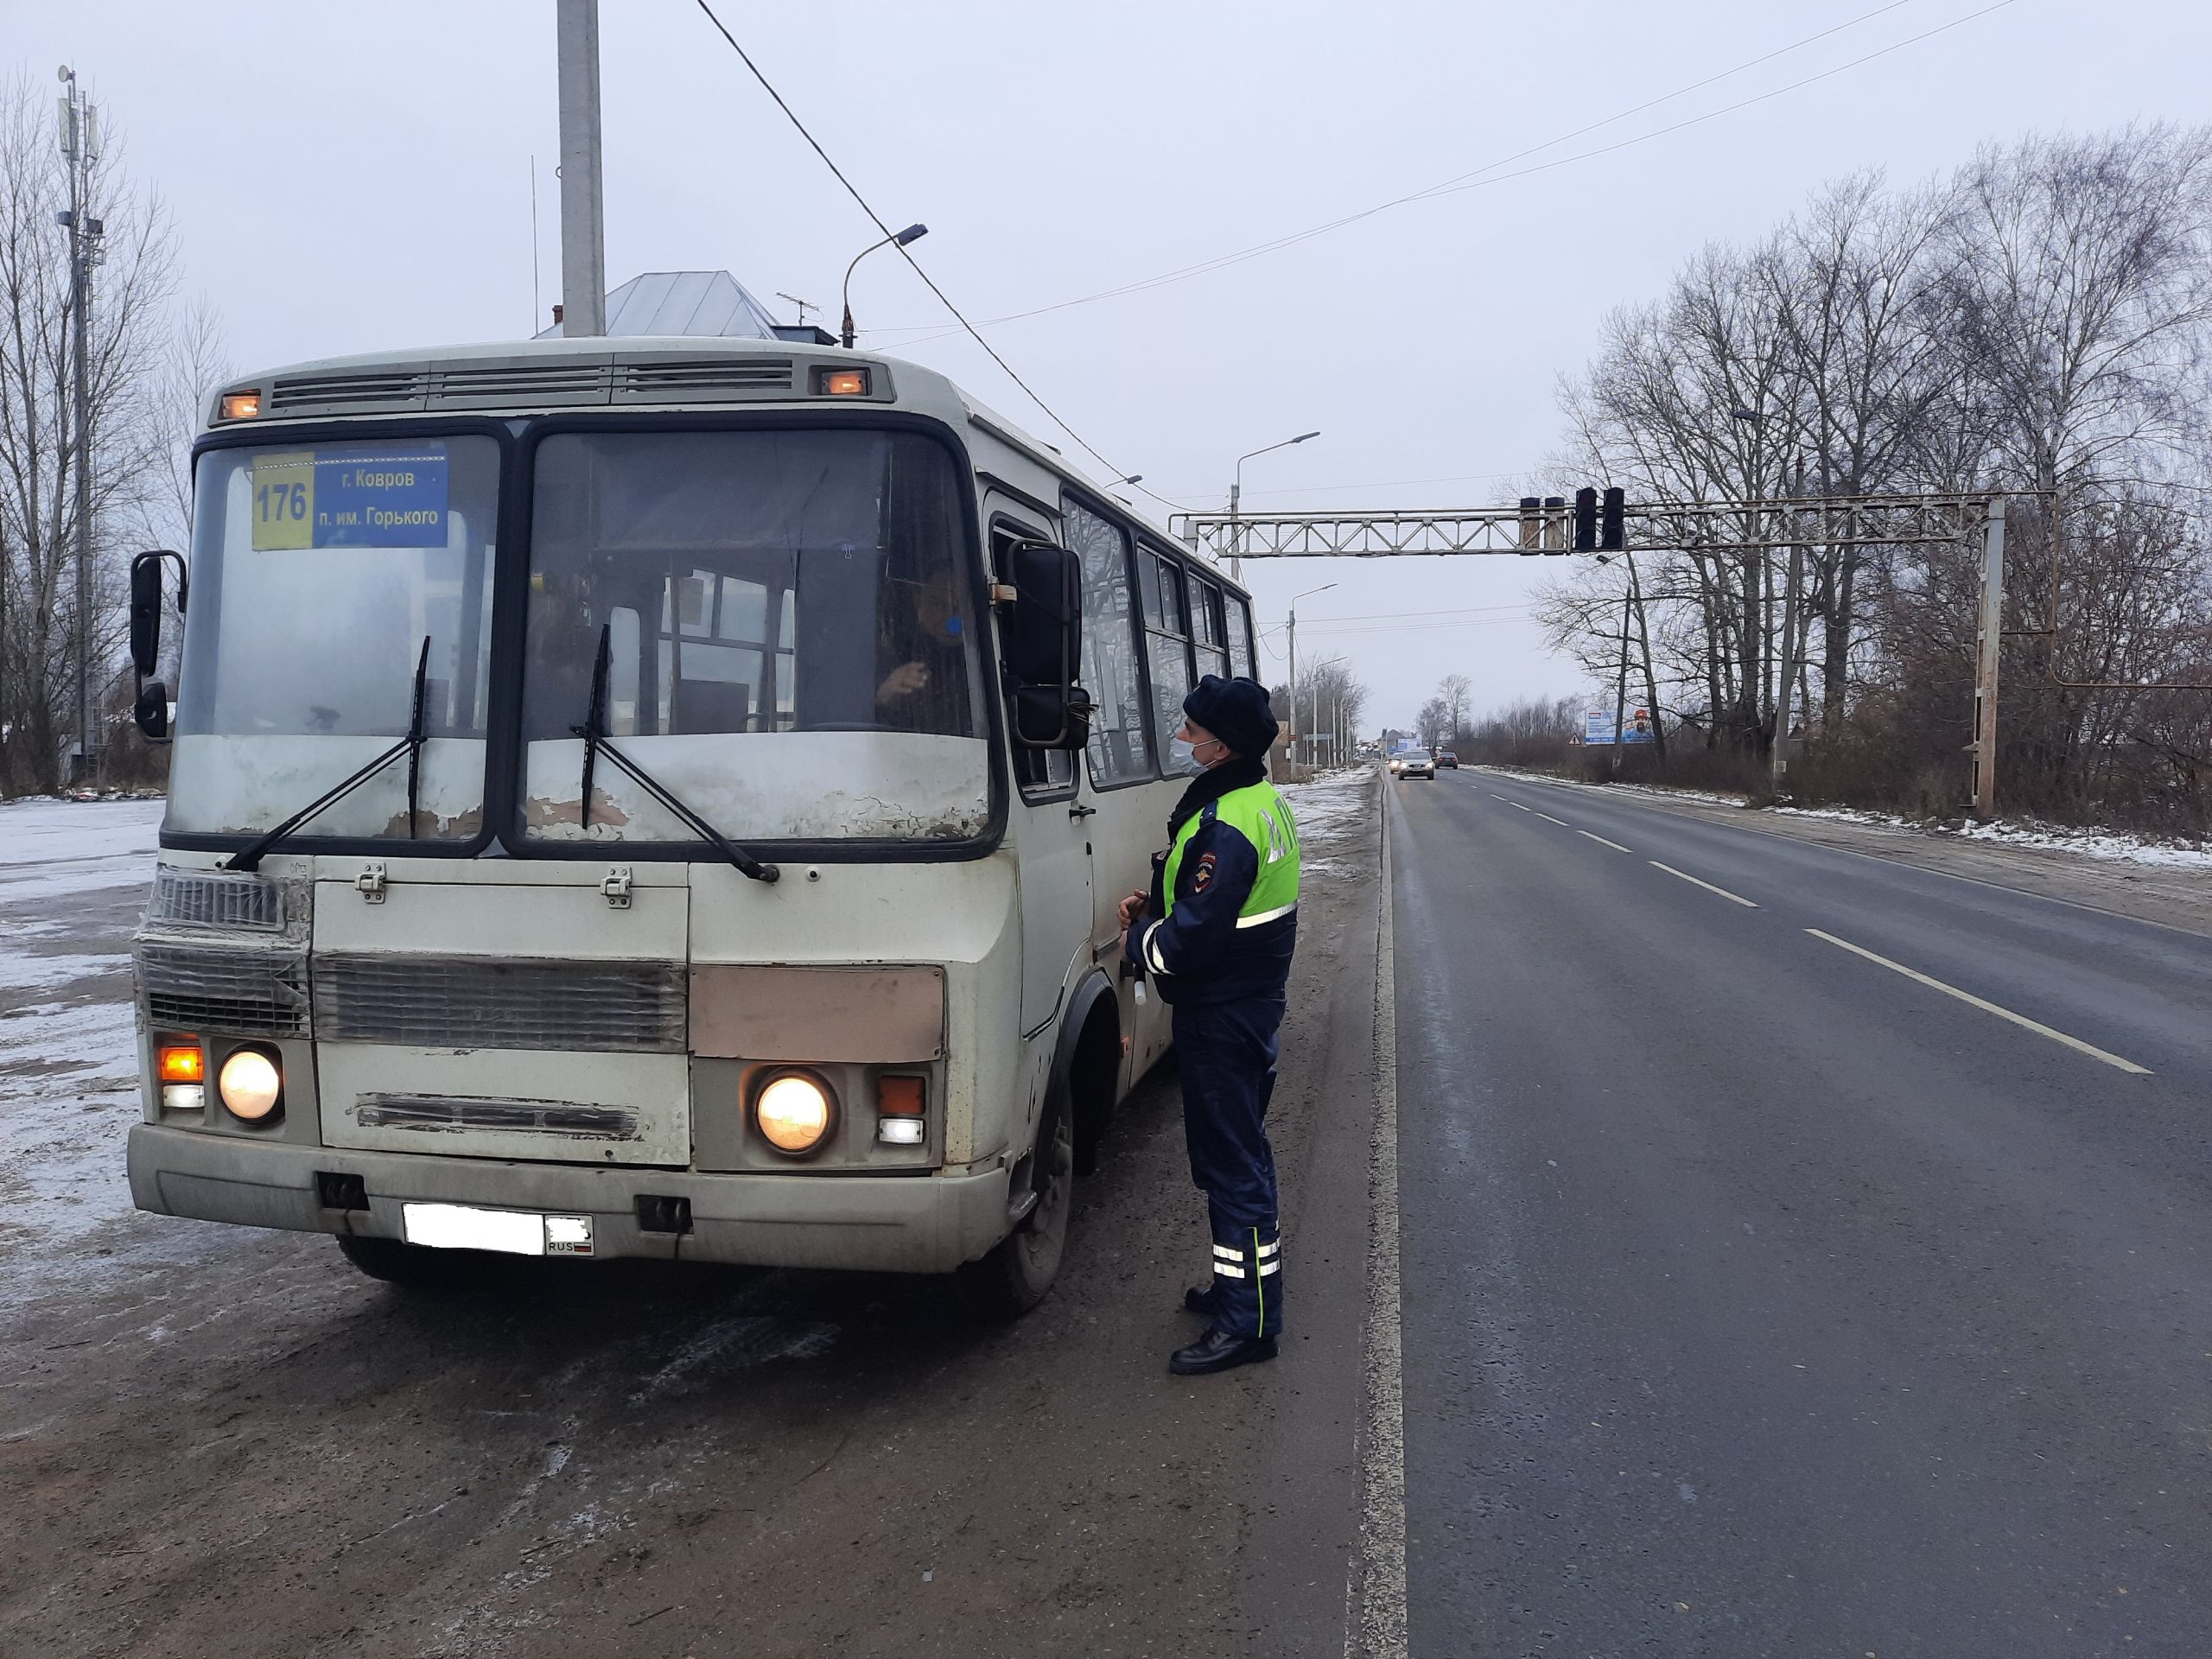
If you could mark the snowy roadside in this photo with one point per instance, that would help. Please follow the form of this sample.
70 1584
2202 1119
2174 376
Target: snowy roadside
1330 812
74 876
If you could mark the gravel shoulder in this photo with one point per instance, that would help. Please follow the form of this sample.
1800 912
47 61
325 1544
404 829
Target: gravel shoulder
2171 897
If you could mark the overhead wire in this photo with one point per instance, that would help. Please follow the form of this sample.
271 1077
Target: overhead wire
889 235
1473 179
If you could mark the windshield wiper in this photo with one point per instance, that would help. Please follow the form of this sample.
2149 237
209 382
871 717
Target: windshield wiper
592 731
411 746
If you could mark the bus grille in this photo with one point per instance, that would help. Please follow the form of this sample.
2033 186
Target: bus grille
436 1112
203 987
216 898
482 1002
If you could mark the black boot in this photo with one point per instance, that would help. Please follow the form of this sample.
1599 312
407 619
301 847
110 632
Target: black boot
1219 1351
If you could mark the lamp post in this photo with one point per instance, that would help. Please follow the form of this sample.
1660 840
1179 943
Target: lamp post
1293 627
1237 490
911 233
1336 718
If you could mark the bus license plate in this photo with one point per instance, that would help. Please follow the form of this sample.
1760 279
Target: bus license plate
511 1232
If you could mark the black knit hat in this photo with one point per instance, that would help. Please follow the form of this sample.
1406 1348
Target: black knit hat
1236 711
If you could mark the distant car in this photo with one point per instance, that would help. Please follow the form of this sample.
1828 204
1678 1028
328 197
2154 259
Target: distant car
1416 763
1445 758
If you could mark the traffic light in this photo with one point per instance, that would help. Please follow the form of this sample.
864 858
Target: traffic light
1613 532
1532 527
1585 520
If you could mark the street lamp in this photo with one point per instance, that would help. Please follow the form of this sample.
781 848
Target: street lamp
1292 625
911 233
1336 718
1237 490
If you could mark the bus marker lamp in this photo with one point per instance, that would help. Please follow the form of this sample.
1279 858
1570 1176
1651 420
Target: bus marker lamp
898 1111
182 1069
241 405
793 1112
841 382
251 1085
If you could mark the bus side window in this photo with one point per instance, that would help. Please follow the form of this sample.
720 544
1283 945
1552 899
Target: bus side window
1121 745
1167 650
1239 639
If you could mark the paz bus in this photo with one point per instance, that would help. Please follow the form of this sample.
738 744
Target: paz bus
652 796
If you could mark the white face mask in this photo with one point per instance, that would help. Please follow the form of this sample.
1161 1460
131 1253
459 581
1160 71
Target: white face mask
1182 756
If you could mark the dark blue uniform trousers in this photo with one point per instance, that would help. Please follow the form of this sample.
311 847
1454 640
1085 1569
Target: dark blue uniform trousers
1227 1051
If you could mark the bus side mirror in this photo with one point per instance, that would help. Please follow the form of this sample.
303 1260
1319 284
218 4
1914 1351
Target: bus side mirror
152 709
1042 634
145 612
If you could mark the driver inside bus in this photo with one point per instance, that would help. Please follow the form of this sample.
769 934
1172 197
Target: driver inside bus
922 635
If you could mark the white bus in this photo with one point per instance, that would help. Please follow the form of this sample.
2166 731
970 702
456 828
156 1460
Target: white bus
633 798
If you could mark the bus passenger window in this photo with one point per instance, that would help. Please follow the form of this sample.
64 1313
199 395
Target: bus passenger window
1120 746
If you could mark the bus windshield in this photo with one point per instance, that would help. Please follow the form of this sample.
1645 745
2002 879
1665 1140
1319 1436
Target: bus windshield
788 629
318 573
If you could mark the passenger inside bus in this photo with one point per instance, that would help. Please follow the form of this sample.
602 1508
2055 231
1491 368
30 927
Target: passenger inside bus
923 635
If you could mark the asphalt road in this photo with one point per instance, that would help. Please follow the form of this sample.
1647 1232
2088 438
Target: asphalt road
1763 1297
221 1441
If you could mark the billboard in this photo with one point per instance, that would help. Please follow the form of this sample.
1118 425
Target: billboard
1598 726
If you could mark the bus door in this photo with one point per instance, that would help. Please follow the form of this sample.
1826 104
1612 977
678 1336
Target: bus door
1050 832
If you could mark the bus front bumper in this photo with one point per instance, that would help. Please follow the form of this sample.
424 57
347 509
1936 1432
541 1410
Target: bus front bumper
902 1223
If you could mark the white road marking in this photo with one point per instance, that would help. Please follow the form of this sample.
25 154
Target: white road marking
1708 885
1547 818
2020 1019
1375 1593
1516 805
1602 842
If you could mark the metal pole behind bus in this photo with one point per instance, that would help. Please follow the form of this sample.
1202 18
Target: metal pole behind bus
583 217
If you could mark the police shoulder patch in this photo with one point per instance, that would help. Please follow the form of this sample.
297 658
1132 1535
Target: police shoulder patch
1199 882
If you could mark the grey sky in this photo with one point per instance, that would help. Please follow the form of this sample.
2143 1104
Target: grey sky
351 179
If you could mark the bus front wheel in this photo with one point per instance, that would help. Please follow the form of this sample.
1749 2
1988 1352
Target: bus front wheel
1019 1270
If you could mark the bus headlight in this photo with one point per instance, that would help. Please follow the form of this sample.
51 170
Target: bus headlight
251 1085
794 1112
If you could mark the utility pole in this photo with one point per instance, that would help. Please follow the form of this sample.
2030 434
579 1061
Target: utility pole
1778 757
80 146
1620 687
1991 636
583 215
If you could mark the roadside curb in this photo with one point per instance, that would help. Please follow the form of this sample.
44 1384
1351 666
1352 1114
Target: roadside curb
1375 1593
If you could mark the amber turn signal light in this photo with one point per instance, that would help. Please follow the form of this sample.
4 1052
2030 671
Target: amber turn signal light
241 405
842 383
899 1098
181 1063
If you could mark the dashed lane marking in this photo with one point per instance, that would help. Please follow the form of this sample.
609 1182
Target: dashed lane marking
1708 885
1516 805
1986 1007
1547 818
1602 842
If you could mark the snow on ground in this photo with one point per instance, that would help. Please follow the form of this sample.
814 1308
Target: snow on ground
41 831
68 1046
2092 843
1329 811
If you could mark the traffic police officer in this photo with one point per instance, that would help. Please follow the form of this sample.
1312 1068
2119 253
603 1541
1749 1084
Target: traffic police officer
1215 937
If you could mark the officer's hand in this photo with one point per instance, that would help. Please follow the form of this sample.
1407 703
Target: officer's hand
1132 907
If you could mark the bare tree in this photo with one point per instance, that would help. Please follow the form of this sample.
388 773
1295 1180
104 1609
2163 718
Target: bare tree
2039 322
37 449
